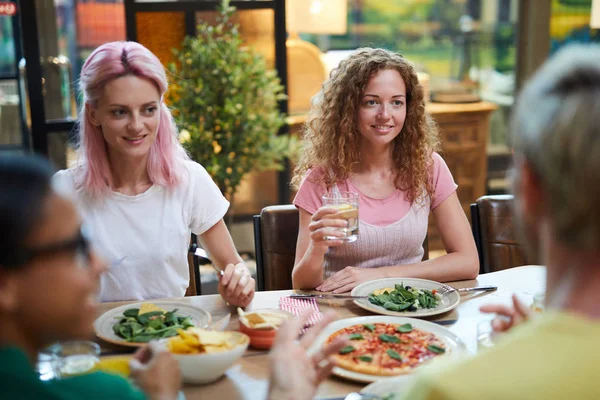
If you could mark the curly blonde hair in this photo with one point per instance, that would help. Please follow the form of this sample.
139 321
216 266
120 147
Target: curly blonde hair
331 135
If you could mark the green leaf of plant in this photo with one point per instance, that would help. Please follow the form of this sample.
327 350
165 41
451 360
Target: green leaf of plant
125 331
146 317
186 323
365 358
436 349
132 312
370 327
156 323
388 305
347 349
389 338
404 328
171 318
356 336
141 338
394 354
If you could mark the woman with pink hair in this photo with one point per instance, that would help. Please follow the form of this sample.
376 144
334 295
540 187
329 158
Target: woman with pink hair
137 188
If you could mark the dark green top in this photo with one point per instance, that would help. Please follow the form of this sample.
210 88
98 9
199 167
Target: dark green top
18 380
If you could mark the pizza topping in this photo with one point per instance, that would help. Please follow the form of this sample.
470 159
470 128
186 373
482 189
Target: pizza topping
436 349
394 354
370 327
406 328
365 358
347 349
356 336
389 338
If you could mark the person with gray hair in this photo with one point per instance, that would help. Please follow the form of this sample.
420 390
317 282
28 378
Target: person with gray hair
556 128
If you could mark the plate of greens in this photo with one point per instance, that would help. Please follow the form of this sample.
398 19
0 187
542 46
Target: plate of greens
405 297
138 323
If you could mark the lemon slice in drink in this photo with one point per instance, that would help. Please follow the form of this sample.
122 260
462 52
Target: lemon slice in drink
345 211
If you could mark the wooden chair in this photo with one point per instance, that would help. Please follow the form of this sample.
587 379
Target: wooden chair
194 262
494 233
275 237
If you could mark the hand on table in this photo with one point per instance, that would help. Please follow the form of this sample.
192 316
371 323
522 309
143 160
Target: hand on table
237 286
508 317
294 374
156 372
346 279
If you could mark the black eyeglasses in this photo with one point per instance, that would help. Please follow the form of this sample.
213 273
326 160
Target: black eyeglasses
80 244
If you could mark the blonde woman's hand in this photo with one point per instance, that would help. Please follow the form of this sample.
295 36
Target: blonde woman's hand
323 225
237 286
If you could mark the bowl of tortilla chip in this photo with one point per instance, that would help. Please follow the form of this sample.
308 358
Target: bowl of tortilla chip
205 355
262 325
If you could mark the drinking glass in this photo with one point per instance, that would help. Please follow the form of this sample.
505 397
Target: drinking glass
347 205
48 364
538 302
486 336
77 357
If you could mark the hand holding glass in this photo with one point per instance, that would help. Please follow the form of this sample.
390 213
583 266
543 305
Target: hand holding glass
347 205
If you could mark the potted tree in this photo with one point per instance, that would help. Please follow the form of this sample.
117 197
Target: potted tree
225 102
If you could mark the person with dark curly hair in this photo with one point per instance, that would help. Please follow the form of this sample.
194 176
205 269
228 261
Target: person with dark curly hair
368 132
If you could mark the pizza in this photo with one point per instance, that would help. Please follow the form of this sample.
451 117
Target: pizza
386 349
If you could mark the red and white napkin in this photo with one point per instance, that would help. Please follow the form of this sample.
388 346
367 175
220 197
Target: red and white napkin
298 306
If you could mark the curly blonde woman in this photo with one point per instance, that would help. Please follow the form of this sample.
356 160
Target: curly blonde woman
368 132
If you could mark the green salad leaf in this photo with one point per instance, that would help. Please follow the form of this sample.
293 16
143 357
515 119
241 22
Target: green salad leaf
404 299
134 327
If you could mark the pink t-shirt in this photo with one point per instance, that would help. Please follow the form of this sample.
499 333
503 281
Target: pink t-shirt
378 212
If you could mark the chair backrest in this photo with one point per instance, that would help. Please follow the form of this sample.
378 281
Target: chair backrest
194 286
494 232
275 237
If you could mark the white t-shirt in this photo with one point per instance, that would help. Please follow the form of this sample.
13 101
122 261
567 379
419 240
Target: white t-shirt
145 238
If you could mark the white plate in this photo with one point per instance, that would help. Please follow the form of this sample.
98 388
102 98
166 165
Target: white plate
453 343
104 324
397 385
448 302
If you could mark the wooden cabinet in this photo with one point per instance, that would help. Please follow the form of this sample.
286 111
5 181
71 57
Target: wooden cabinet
464 131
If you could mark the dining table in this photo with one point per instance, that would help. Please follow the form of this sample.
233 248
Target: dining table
248 377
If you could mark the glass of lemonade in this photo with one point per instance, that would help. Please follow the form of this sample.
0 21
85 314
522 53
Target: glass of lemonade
347 205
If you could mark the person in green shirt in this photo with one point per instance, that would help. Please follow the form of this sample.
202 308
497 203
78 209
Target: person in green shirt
49 279
556 182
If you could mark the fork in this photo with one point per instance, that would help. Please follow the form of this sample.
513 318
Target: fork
446 289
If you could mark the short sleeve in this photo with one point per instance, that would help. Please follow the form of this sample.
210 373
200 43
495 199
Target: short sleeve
208 205
443 182
64 184
310 192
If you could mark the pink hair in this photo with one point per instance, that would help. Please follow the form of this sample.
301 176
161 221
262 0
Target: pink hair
165 158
